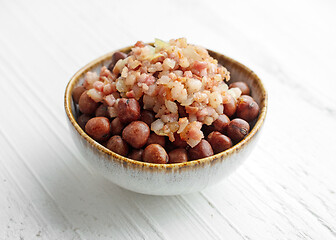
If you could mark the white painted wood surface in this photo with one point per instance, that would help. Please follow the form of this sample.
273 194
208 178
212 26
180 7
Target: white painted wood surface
285 190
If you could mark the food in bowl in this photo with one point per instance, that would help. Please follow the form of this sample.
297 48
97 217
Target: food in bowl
166 103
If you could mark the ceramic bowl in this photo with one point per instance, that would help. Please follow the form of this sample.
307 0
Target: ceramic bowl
166 179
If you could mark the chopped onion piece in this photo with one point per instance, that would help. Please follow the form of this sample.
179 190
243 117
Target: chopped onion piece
157 125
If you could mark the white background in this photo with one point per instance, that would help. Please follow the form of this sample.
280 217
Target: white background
285 190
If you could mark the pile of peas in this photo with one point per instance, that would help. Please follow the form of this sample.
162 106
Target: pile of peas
129 133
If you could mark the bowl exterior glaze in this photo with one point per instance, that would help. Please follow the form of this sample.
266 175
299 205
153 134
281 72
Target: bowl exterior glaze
166 179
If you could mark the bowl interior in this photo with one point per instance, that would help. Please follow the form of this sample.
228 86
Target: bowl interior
238 72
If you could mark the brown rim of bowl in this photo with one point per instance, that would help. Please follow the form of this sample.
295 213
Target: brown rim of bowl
68 109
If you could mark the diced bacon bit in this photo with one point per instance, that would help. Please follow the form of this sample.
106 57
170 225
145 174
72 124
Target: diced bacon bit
188 74
192 134
202 113
124 72
137 92
158 58
108 89
133 64
183 122
235 92
184 63
212 68
162 90
90 78
172 76
200 97
195 130
147 79
152 90
96 96
171 106
169 63
211 111
203 72
157 125
179 73
112 111
139 44
116 95
130 94
119 66
168 95
199 68
131 78
166 129
170 118
136 51
150 80
223 72
174 126
199 65
142 78
98 85
144 87
114 87
191 110
208 120
209 83
104 72
143 69
192 118
103 79
161 111
109 100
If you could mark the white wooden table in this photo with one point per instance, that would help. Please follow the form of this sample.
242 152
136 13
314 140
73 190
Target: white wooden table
285 190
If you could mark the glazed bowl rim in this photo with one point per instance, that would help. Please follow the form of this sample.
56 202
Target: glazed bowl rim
121 159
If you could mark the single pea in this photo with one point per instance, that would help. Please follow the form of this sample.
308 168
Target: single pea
83 119
154 138
102 111
230 105
115 58
86 104
247 108
178 155
118 145
98 128
179 142
201 150
116 126
77 92
136 154
219 142
147 116
237 129
242 86
155 153
136 134
221 123
128 110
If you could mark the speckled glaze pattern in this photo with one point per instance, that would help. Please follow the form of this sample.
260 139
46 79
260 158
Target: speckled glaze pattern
166 179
